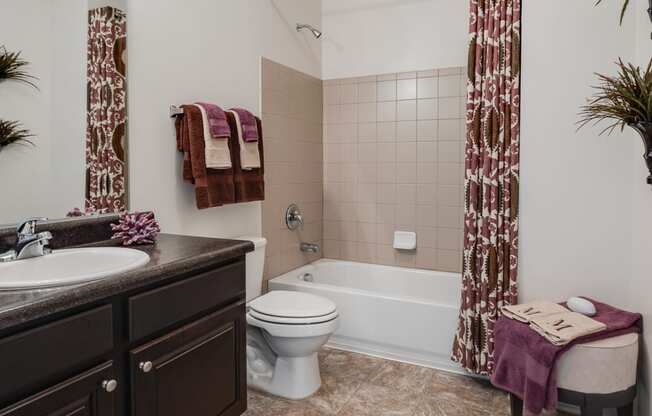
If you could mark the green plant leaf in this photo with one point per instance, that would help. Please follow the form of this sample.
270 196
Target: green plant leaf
622 12
12 67
11 132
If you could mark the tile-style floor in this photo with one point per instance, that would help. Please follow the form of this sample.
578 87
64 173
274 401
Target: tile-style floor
359 385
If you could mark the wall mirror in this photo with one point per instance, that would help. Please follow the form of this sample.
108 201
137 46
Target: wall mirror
75 115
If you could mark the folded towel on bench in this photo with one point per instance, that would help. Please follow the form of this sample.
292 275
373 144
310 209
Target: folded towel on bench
527 311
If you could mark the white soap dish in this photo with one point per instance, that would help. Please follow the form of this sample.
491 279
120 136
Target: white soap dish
405 240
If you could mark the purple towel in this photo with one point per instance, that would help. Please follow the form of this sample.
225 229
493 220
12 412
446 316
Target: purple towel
216 121
248 125
525 361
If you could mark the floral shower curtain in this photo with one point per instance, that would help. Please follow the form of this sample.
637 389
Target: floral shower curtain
106 116
492 178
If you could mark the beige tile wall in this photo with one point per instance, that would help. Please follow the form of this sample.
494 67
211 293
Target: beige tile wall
393 160
292 123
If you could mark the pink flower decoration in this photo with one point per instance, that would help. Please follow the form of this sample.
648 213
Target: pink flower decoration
136 228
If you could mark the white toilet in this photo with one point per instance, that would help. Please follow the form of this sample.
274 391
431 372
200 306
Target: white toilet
284 333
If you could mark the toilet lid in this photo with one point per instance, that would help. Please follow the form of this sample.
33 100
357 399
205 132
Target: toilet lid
293 305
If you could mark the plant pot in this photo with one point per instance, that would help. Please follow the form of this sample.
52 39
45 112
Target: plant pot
644 128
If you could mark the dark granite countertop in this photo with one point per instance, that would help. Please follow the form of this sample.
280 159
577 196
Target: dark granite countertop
170 256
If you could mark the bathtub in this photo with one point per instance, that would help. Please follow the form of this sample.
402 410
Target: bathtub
396 313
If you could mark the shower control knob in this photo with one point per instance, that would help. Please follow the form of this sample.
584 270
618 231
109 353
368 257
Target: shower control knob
293 218
109 386
145 366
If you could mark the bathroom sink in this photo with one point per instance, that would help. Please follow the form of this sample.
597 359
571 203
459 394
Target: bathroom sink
69 267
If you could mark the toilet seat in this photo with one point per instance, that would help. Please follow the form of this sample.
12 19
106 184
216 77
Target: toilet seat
290 307
283 320
293 314
294 331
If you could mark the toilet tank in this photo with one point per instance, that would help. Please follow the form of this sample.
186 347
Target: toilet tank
255 262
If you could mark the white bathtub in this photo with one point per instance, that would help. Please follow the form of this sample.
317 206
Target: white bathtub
396 313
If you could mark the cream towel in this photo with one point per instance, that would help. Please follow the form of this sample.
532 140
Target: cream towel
218 155
249 154
527 311
562 328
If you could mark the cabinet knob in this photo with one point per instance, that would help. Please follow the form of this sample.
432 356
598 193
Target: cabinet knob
145 366
109 385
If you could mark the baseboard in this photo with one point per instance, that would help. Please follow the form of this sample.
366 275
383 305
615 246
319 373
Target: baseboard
394 354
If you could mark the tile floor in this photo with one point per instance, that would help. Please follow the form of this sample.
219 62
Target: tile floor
359 385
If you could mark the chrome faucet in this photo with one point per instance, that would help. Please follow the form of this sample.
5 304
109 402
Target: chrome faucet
28 242
309 248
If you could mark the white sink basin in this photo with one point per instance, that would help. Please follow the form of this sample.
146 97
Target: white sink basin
69 267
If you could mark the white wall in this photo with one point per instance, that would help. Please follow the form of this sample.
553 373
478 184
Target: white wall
366 37
641 284
585 224
575 186
118 4
46 180
205 50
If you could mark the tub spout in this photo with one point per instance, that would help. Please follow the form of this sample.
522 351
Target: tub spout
309 248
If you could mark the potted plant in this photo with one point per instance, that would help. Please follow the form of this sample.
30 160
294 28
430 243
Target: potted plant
624 100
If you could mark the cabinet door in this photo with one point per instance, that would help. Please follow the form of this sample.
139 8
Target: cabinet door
198 370
89 394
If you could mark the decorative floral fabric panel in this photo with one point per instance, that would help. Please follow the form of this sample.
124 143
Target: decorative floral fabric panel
489 278
106 124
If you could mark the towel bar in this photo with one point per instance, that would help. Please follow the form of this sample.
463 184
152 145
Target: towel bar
175 111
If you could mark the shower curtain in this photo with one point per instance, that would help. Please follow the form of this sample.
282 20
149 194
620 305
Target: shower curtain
106 115
489 278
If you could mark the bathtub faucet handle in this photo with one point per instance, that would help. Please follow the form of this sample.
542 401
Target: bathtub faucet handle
293 218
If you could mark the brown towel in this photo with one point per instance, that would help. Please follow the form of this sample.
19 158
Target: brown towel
184 147
249 184
249 150
212 187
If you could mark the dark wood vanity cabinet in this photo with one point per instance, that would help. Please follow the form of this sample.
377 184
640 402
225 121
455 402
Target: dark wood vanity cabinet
196 370
174 349
89 394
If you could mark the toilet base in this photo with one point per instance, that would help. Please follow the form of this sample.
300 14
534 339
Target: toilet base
289 377
294 378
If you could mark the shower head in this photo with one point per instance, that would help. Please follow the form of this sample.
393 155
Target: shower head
315 32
